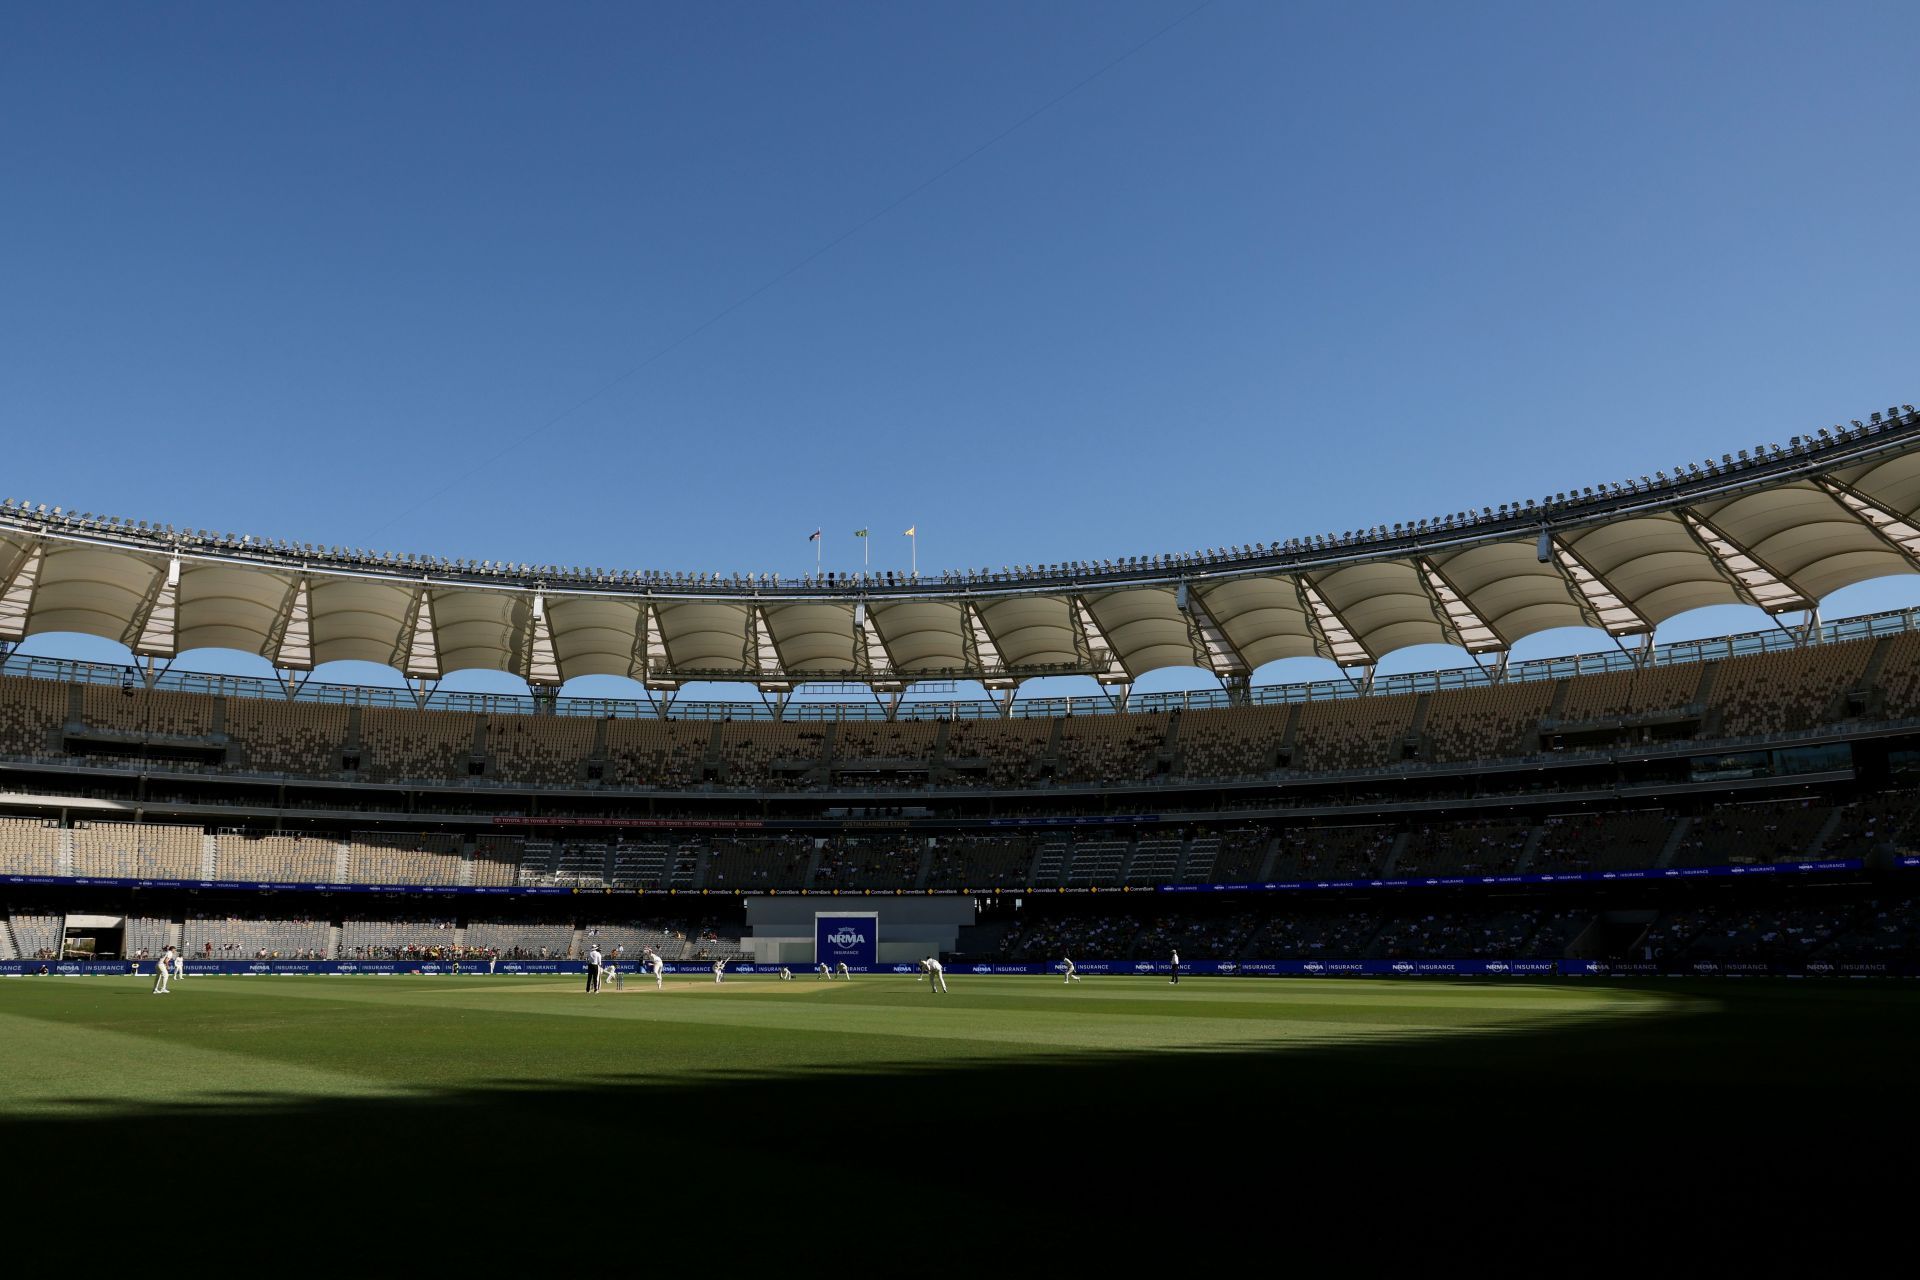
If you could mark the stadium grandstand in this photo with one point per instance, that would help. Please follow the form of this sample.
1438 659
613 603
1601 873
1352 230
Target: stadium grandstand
1793 751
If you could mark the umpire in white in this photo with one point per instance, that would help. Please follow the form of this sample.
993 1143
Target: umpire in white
593 971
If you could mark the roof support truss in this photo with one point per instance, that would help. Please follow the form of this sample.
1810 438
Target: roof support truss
1750 576
982 654
290 638
651 663
415 651
763 655
1336 639
1472 632
1094 650
1211 647
150 632
543 669
1604 606
16 595
1891 529
871 657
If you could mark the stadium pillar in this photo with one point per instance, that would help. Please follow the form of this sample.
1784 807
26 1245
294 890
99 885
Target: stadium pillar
1239 689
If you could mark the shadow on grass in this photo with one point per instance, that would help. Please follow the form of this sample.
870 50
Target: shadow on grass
1745 1092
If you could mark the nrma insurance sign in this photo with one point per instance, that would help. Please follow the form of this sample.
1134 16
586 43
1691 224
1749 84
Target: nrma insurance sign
848 939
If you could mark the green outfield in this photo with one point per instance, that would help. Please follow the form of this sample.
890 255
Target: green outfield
1000 1083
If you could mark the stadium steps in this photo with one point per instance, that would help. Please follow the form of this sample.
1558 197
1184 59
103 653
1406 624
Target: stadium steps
1558 706
937 759
343 863
333 941
575 948
1388 863
925 873
9 945
1167 759
813 867
463 874
712 765
209 856
700 866
597 757
1283 750
66 852
1196 860
1047 765
176 936
1827 829
1534 837
1671 848
1049 860
1866 698
1271 856
1709 715
686 866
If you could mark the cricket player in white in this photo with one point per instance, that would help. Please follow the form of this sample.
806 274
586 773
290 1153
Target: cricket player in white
825 972
179 964
786 974
846 972
658 966
936 975
1072 974
719 967
612 970
160 973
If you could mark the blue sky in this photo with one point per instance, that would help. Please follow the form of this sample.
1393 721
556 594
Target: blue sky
671 285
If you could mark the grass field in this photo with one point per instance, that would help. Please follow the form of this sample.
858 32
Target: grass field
995 1093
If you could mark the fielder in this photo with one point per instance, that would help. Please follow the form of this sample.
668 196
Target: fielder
936 976
179 964
846 972
1073 975
160 973
826 974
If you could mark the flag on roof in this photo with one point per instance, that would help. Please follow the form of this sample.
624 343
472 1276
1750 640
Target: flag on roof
814 536
859 533
909 532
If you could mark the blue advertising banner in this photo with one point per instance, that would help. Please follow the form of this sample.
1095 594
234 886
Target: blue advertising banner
1239 886
849 938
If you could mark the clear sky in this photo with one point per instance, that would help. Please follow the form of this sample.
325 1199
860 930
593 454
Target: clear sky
670 285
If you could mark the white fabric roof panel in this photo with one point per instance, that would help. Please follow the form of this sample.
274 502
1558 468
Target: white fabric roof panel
1262 618
1784 537
1893 484
1145 627
705 635
1654 564
593 635
1508 586
357 619
97 591
1032 631
480 630
922 635
1384 604
223 606
1803 533
813 639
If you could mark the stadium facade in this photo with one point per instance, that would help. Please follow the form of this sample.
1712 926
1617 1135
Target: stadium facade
1746 801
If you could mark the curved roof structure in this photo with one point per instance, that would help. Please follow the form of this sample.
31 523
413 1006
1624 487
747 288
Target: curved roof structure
1778 528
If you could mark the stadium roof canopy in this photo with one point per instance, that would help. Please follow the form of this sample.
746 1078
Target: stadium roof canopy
1775 527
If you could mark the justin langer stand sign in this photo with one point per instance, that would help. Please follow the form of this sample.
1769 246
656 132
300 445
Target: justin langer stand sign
850 939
